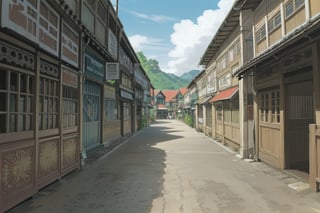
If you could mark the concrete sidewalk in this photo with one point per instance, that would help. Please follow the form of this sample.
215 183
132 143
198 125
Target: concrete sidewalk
171 168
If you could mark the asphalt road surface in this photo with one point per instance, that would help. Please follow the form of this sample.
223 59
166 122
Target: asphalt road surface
171 168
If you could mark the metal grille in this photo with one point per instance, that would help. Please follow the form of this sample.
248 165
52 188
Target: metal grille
301 107
91 115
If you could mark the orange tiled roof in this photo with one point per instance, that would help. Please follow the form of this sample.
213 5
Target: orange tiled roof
183 90
156 91
170 94
225 94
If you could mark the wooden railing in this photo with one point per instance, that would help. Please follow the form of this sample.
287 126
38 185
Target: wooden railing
314 156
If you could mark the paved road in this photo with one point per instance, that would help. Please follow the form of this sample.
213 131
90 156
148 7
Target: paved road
171 168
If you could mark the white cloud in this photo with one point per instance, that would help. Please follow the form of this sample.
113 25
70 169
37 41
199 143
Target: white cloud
191 39
144 43
138 41
154 18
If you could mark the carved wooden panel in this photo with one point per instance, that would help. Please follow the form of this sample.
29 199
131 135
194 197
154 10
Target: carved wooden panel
16 57
48 158
49 69
17 170
17 173
70 151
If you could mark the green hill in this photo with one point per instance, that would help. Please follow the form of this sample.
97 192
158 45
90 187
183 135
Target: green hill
161 80
189 76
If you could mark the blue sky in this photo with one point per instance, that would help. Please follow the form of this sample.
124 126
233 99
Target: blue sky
174 32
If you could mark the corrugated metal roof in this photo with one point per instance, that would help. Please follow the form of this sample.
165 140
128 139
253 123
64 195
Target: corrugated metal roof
225 94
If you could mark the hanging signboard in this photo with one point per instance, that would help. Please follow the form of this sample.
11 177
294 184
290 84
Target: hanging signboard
94 66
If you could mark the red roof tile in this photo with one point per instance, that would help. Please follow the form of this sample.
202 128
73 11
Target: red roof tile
156 92
183 90
170 94
225 94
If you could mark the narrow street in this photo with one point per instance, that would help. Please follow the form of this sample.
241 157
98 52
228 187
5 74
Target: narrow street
171 168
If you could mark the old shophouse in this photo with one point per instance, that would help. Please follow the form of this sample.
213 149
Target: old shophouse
66 86
285 70
160 109
143 106
265 57
201 85
169 103
172 101
190 101
219 113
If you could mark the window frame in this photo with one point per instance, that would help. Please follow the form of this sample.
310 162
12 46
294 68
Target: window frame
70 95
272 22
23 102
49 95
270 106
219 112
107 105
294 6
261 33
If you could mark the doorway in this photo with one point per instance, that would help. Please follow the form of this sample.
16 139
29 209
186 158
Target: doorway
91 115
299 114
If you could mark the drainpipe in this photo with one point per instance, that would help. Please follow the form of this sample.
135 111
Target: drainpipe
82 82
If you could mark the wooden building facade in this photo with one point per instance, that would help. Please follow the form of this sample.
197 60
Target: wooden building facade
272 48
39 92
285 71
221 59
61 92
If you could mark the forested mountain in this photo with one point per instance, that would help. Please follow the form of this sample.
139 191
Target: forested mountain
161 80
189 76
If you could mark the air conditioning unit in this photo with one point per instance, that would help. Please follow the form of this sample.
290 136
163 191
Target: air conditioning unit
112 71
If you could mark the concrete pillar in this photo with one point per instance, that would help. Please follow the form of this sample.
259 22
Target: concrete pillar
196 117
204 118
246 117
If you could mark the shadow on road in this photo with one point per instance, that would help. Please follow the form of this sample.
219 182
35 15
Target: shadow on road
126 181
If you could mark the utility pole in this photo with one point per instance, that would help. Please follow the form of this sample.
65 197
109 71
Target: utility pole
117 6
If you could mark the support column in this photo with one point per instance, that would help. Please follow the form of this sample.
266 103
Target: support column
196 117
246 117
204 118
243 119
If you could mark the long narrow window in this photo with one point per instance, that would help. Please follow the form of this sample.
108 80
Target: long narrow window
219 112
270 106
235 110
49 104
209 115
275 106
16 101
261 33
126 81
292 6
111 113
227 111
274 22
70 107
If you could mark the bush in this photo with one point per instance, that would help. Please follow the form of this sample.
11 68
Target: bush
152 116
188 120
144 122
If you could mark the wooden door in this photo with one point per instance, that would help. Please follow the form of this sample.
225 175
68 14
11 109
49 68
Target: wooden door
299 114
